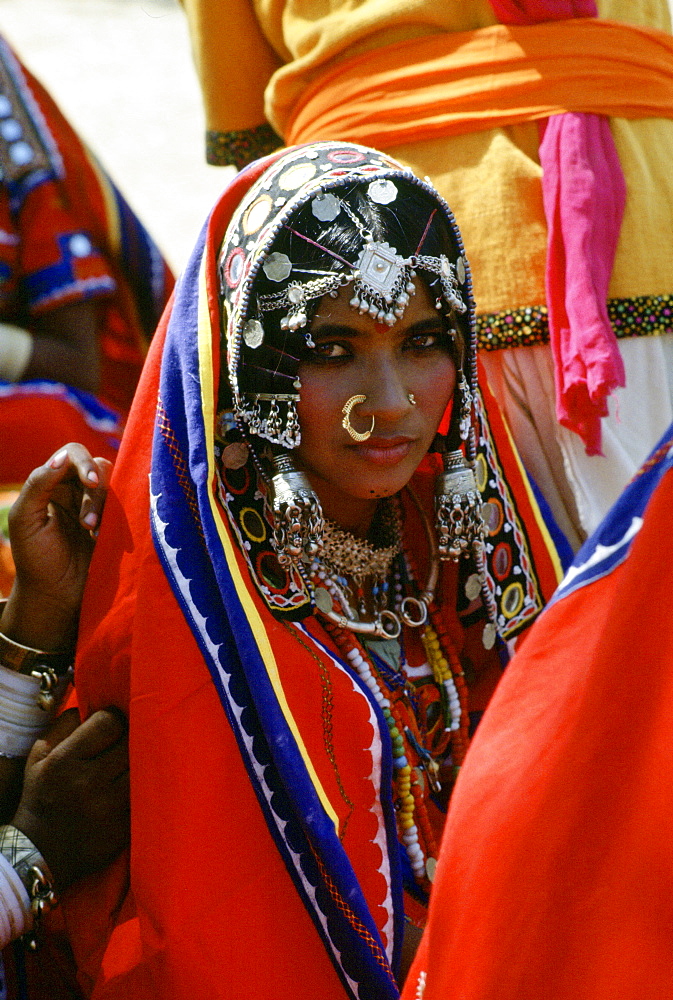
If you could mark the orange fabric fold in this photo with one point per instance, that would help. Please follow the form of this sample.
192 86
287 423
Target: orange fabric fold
448 84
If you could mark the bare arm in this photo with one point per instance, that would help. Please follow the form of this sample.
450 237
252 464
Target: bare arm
66 347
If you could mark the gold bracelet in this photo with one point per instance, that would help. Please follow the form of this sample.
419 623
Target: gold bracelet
52 670
24 659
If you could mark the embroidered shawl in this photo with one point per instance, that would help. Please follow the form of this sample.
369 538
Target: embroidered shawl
263 832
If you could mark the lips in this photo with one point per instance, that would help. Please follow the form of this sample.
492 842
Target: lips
385 450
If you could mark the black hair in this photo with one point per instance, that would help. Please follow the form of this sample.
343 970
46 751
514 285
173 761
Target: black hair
411 224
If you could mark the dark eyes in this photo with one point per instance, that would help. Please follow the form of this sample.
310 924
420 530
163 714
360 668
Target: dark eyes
328 350
422 341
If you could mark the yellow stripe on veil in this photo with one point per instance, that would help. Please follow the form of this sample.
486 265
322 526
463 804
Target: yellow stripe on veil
251 612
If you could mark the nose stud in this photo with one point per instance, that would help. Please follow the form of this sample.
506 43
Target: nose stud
411 398
346 422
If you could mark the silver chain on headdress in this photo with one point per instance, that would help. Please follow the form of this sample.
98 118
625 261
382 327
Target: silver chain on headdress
382 282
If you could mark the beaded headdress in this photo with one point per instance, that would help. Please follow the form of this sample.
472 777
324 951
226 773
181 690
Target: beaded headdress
324 176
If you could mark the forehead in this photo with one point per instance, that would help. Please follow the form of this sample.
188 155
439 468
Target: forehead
339 312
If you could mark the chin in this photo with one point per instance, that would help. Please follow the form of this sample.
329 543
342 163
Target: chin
368 490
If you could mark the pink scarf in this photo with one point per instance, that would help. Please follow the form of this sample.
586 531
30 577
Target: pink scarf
584 193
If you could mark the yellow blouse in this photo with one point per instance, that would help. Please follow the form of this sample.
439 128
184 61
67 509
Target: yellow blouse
255 57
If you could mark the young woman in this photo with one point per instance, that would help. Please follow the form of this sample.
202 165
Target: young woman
309 601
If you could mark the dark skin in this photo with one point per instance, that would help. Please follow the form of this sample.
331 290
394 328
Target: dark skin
52 527
66 346
84 764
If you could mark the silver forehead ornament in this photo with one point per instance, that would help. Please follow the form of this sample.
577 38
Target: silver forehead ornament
383 279
383 282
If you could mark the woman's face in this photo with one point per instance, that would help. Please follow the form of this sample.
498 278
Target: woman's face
355 355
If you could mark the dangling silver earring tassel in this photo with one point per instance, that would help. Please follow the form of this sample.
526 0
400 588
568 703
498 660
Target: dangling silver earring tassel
297 513
466 401
460 528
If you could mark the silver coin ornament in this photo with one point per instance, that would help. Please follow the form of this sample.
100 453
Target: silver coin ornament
326 207
382 192
473 587
277 266
253 333
488 636
323 599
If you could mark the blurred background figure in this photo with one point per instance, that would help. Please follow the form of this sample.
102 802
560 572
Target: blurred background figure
145 125
82 285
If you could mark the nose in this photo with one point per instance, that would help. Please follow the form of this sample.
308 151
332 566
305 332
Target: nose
387 394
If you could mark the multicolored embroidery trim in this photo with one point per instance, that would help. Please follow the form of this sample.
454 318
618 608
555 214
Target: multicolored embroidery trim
242 147
207 583
511 579
641 316
243 496
27 148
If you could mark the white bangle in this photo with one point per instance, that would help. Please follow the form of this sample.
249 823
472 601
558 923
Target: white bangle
16 917
22 721
16 348
26 890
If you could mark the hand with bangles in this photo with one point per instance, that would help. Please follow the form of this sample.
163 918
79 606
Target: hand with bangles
75 801
72 819
73 814
52 526
51 529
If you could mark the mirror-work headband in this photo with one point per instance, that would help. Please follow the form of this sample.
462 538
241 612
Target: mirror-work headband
283 252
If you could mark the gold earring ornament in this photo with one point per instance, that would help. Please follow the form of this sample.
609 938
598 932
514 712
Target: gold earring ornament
346 422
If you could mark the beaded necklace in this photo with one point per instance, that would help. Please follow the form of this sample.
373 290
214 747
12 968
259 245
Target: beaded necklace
338 574
416 768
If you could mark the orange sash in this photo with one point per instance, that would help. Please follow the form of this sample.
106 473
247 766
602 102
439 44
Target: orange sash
448 84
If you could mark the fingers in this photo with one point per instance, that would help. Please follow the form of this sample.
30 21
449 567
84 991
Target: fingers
75 801
71 464
59 730
75 456
93 500
104 732
93 474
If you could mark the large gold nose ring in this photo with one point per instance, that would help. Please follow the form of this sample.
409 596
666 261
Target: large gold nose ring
346 422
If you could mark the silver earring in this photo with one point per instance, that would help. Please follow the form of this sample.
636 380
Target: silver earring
298 517
460 528
346 422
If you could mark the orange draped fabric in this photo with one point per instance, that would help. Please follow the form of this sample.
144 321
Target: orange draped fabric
449 84
208 906
554 878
